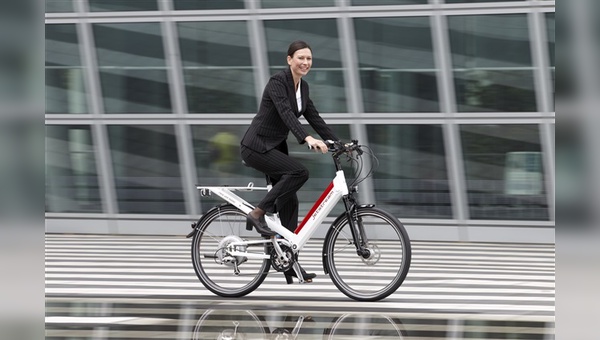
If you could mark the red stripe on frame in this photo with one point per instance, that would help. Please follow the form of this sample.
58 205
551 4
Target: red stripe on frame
314 207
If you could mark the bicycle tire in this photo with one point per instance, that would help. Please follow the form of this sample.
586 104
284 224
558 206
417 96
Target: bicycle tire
382 274
215 230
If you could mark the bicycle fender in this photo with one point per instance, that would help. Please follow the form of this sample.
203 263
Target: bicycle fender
335 222
197 225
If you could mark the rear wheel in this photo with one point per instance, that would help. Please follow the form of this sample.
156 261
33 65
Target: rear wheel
230 324
377 275
219 271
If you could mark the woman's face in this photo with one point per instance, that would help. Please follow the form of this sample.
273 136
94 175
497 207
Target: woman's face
300 62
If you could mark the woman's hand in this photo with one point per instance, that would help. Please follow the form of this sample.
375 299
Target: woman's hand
316 144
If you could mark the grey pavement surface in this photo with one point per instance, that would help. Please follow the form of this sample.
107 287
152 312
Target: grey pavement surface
117 286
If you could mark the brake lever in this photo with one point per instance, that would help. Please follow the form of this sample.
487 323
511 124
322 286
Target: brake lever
359 150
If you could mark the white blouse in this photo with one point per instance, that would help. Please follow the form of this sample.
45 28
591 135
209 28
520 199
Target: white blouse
299 99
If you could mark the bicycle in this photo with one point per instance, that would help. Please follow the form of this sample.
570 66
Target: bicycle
366 251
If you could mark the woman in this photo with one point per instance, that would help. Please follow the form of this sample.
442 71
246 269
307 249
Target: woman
264 146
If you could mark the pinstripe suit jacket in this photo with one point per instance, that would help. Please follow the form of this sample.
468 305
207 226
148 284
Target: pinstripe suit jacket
278 115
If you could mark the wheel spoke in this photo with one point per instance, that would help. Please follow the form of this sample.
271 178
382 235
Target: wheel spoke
380 274
213 264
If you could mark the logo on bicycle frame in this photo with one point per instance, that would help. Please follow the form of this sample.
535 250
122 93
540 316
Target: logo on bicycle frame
314 211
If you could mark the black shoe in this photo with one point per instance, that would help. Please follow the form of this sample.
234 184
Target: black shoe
290 273
260 225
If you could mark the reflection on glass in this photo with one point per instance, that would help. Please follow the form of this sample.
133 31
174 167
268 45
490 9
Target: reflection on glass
387 2
365 326
211 322
217 67
504 172
146 169
235 324
252 324
320 168
550 35
292 3
208 4
325 79
132 68
65 90
492 65
396 63
411 180
507 329
218 162
71 177
57 6
123 5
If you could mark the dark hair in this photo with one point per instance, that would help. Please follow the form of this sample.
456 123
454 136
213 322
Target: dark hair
297 45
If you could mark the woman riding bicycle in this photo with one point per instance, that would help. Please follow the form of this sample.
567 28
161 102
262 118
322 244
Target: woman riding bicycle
264 148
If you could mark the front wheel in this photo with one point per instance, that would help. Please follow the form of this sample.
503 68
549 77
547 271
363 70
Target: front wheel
378 273
219 272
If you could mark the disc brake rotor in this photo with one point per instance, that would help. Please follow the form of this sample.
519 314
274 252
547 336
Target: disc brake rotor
375 255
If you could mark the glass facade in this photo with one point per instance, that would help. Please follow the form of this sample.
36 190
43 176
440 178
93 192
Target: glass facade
71 173
412 178
149 98
59 6
146 169
504 172
131 64
397 71
122 5
217 66
491 58
65 86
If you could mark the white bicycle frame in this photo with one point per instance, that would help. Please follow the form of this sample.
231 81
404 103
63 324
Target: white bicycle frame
295 240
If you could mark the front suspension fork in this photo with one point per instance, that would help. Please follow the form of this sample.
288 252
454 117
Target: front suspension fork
356 228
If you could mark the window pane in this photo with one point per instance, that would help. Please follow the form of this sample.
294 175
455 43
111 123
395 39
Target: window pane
411 180
320 168
132 68
208 4
492 63
294 3
504 172
146 169
123 5
71 176
471 1
57 6
65 90
387 2
550 34
217 67
396 64
326 78
218 162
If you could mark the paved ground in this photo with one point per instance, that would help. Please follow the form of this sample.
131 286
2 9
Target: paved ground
108 287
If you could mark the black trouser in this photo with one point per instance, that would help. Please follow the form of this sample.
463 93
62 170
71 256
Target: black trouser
287 175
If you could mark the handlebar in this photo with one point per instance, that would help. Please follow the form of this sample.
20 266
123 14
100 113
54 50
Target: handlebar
338 148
